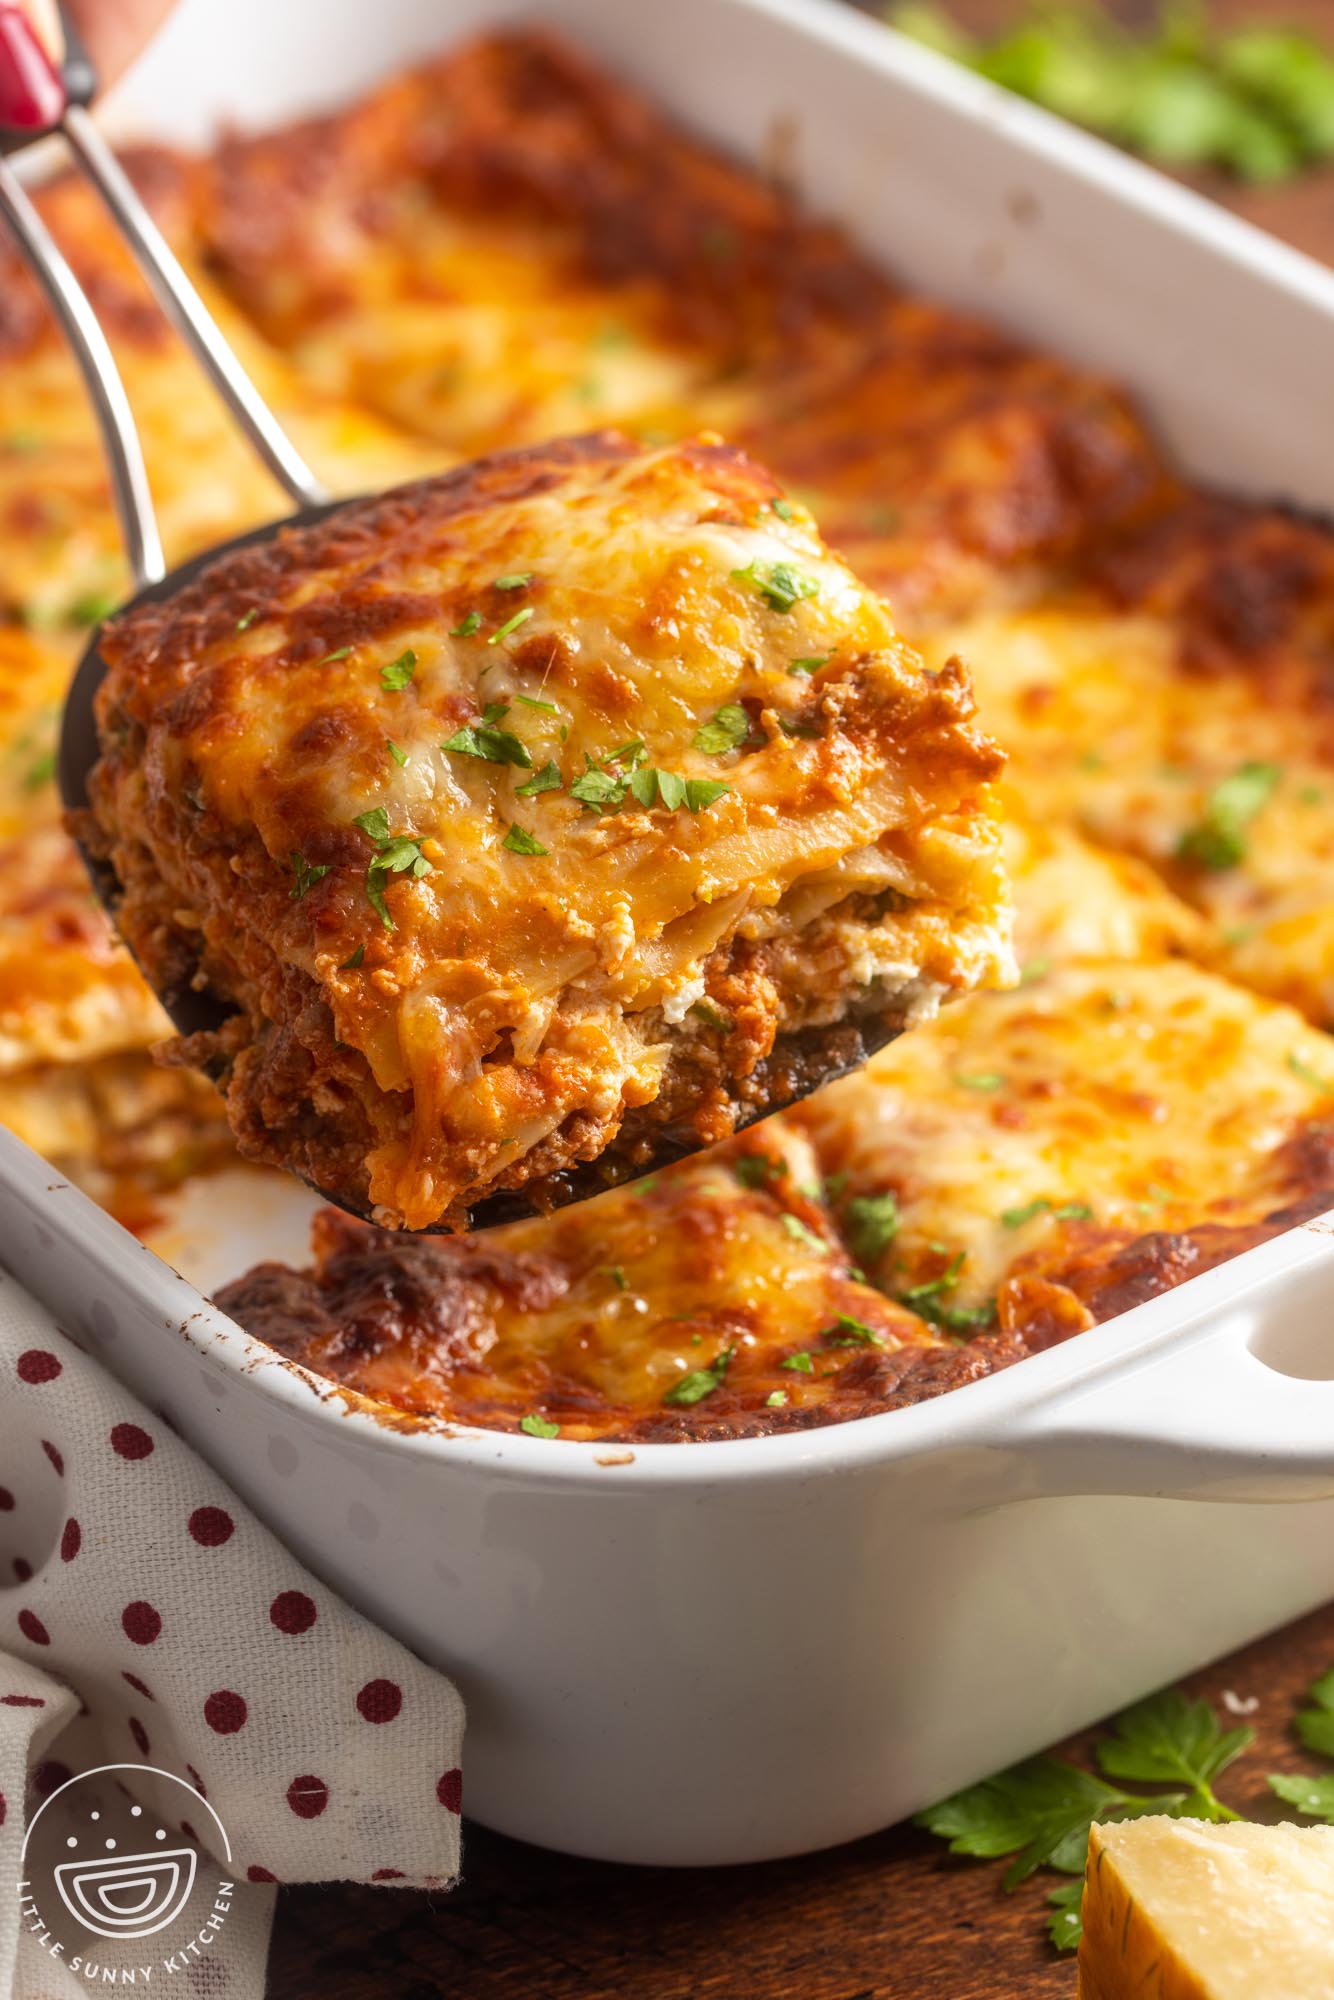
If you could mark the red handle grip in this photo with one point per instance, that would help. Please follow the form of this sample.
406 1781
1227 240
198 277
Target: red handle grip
32 91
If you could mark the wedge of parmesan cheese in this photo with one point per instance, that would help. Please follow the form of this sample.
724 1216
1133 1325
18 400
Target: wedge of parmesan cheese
1177 1909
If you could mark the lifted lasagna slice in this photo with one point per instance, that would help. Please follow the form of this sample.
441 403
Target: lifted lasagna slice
576 806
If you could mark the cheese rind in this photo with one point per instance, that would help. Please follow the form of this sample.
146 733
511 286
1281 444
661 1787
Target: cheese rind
1178 1909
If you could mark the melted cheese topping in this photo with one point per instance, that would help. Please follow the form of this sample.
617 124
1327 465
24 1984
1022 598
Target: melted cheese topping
559 691
1137 1098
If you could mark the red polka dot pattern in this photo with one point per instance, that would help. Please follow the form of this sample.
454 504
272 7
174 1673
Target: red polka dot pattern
37 1364
307 1796
139 1552
211 1527
141 1622
131 1441
226 1711
380 1701
292 1611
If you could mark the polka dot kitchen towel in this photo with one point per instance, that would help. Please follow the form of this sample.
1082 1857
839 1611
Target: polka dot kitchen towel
186 1717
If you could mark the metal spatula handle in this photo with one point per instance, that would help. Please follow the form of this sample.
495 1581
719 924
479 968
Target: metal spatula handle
39 96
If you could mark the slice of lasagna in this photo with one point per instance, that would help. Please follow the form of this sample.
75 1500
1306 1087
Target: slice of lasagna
578 806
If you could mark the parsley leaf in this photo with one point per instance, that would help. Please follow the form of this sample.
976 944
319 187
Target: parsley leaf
729 727
396 675
810 663
1218 841
531 701
801 1364
466 626
1068 1211
1314 1796
534 1426
1315 1725
306 875
849 1332
510 625
870 1223
758 1170
600 789
1167 1738
351 964
400 757
800 1233
545 780
1308 1075
985 1080
776 1399
519 841
778 583
396 855
704 792
341 653
516 580
486 741
247 619
700 1382
1039 1811
1065 1925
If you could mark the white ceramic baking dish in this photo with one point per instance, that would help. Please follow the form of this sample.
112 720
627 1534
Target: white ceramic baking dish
729 1651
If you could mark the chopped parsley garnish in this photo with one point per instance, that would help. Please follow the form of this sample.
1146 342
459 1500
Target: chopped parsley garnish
810 663
399 854
870 1223
600 789
800 1233
545 780
982 1079
40 772
801 1364
351 964
650 786
1219 840
510 625
466 626
757 1170
519 841
247 619
778 583
849 1332
617 1275
703 792
92 609
712 1017
400 757
729 727
395 677
342 653
1308 1075
485 740
1035 968
776 1399
516 580
306 875
534 1426
531 701
700 1382
783 509
1067 1211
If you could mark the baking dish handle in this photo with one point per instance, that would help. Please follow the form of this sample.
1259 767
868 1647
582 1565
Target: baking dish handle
1236 1405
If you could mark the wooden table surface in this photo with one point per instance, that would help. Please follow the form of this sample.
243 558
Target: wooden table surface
890 1918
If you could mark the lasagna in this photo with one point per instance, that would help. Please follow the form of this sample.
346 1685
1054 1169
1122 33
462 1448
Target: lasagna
562 812
505 245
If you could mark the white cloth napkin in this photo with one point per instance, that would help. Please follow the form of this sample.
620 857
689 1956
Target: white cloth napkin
148 1620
